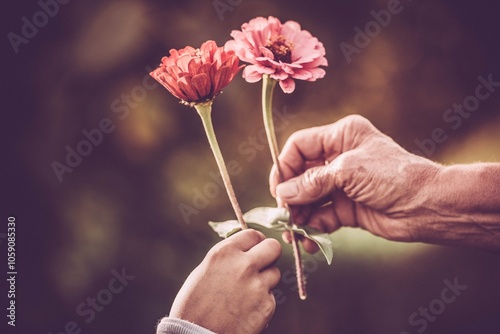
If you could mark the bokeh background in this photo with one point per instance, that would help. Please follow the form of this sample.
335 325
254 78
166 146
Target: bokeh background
119 207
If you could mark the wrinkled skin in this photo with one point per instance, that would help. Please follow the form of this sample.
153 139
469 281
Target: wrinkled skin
350 174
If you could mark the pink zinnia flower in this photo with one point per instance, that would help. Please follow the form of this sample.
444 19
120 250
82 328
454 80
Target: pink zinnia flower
283 51
197 75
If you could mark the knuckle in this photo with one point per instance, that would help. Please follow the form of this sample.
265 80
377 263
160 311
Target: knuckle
344 169
247 265
214 255
358 126
297 136
220 250
317 181
357 120
269 306
311 182
302 134
217 251
277 274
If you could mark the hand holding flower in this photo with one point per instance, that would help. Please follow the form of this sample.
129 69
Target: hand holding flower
279 53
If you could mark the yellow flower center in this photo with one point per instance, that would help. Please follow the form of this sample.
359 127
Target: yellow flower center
281 49
197 53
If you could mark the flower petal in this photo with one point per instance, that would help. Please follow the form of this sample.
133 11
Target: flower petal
279 75
317 73
209 47
294 25
287 85
222 79
266 52
194 66
183 63
201 85
302 74
187 89
285 50
197 75
252 74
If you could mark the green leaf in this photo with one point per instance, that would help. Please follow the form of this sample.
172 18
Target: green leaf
270 218
323 240
275 219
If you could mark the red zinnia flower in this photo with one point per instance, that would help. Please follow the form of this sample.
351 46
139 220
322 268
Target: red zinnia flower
282 51
197 75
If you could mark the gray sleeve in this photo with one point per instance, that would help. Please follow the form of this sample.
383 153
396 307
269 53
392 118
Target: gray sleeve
179 326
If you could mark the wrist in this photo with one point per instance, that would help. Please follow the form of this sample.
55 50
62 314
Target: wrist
171 325
462 206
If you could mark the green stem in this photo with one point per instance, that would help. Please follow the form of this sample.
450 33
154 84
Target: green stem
205 110
268 85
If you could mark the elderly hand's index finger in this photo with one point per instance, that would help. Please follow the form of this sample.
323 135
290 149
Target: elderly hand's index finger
317 145
304 148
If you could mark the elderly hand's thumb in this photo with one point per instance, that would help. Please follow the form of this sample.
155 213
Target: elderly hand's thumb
312 185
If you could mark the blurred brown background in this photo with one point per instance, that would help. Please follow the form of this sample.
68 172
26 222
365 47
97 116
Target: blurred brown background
119 206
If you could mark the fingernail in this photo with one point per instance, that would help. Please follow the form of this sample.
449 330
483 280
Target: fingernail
287 190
